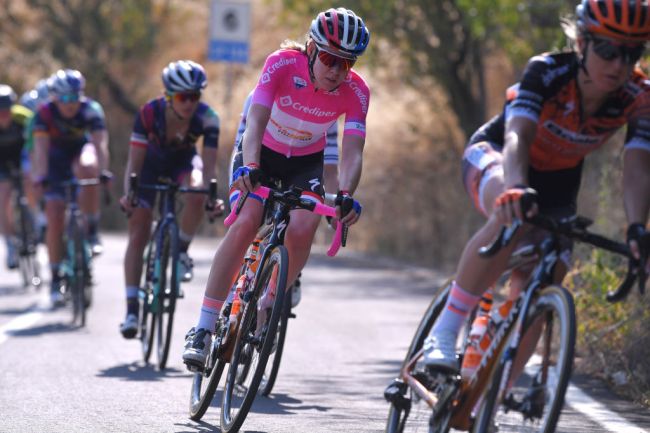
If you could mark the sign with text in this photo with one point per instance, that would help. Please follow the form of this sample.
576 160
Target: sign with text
229 31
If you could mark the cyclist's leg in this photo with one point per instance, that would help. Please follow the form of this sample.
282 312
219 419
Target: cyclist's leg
190 173
225 265
86 166
483 178
299 237
139 229
6 220
59 170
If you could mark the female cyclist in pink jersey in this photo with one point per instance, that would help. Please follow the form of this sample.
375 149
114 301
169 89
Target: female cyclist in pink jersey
565 106
302 91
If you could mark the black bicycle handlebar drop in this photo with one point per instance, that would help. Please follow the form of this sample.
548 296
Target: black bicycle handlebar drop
576 228
211 191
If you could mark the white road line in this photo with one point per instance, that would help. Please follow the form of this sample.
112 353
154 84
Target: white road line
598 412
594 410
23 321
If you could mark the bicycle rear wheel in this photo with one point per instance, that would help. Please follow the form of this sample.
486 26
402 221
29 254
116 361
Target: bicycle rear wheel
275 357
168 291
535 400
254 342
407 412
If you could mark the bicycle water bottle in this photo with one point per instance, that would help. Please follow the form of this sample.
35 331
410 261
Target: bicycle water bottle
252 256
474 351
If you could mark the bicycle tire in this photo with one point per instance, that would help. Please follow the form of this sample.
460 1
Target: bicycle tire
167 295
147 315
27 261
242 363
76 258
400 419
203 390
553 303
275 357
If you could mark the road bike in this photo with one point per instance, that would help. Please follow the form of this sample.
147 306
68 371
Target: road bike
161 279
493 398
26 237
76 266
251 329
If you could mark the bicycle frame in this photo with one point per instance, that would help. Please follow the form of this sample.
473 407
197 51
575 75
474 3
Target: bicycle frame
460 396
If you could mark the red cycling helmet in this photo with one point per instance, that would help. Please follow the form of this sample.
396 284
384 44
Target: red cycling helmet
340 32
618 19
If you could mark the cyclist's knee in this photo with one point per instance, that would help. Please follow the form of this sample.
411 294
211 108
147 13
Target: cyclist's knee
88 156
87 171
194 203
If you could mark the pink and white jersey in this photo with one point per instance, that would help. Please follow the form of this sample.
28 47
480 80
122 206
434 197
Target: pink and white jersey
300 114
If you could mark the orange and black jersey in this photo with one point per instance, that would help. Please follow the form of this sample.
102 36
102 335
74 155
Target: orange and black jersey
548 94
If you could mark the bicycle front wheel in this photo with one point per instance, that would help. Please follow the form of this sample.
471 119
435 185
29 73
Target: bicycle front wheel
148 310
273 363
255 339
78 283
534 400
407 412
167 294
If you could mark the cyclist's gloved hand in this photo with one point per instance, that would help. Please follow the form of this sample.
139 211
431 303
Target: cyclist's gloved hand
514 203
106 176
215 209
247 177
637 236
348 210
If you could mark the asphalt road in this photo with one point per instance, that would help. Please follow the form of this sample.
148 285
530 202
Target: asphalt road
352 329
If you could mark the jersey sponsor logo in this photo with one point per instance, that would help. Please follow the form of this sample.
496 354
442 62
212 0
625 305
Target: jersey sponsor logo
266 76
292 133
571 136
299 82
552 74
314 184
286 101
281 226
569 107
363 98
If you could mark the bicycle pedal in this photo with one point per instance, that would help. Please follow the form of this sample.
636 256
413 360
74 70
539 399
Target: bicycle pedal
292 315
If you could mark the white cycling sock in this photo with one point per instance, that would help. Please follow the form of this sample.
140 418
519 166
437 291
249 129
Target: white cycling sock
210 310
459 304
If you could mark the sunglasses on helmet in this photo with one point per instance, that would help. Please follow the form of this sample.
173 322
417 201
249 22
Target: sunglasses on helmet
331 60
186 96
68 98
608 50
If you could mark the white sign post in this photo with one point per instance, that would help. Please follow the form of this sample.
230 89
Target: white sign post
229 31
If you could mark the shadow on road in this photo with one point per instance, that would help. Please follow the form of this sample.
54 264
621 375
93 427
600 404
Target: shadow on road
139 372
12 290
17 311
49 328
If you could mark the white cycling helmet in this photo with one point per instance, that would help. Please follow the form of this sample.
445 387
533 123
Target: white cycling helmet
184 76
66 81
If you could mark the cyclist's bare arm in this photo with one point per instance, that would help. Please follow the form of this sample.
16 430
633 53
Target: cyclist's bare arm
258 117
519 134
100 139
209 156
350 169
41 150
636 188
134 164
